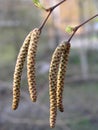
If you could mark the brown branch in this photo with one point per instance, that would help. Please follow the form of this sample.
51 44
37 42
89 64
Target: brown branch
50 10
75 29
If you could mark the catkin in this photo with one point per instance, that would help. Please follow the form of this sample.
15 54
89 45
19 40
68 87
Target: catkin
31 64
18 71
61 76
53 82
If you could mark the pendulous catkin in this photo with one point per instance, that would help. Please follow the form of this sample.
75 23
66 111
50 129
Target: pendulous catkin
61 76
18 71
53 82
31 63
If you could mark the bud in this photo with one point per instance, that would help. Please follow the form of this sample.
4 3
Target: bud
38 4
69 29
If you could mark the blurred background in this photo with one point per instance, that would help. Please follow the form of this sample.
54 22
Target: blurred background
17 19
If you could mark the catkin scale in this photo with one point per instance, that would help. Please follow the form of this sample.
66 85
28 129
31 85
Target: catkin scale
31 63
18 71
53 82
61 76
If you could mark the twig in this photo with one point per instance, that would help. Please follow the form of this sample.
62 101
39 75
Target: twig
50 11
77 27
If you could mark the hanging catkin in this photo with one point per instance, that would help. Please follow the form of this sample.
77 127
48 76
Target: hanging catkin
61 76
31 63
18 71
53 82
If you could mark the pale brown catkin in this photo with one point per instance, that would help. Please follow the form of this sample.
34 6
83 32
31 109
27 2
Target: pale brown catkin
61 76
18 71
31 63
53 82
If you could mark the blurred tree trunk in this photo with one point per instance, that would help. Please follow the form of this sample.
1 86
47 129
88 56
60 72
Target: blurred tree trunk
55 37
83 51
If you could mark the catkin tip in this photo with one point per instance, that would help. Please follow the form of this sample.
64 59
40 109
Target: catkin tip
34 99
52 125
14 107
61 110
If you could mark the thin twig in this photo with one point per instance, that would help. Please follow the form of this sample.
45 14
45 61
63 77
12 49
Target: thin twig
77 27
53 7
42 25
50 11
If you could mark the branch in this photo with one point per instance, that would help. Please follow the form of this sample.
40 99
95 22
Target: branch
75 29
50 10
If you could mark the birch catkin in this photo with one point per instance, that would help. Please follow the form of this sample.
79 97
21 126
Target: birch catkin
53 82
18 71
31 63
61 76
